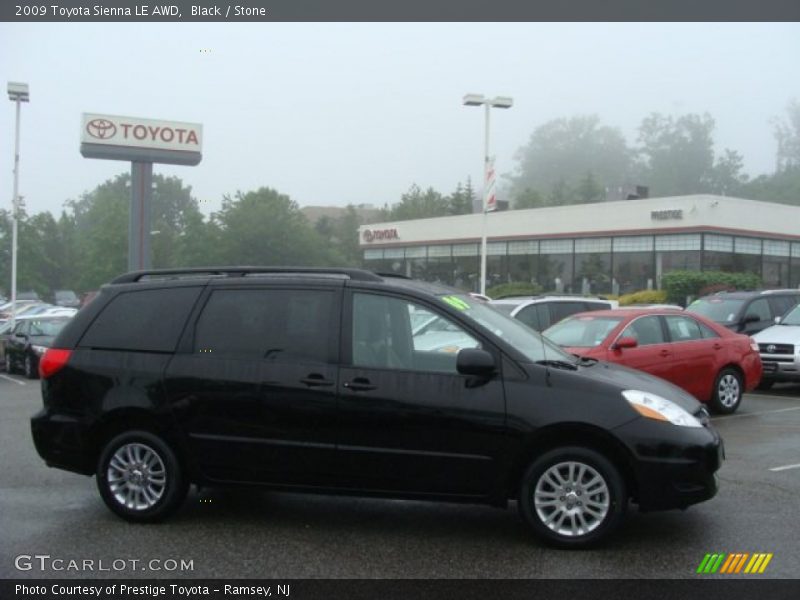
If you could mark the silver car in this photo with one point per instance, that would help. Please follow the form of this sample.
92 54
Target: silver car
779 347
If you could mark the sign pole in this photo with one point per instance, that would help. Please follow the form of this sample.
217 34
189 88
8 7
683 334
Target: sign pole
139 255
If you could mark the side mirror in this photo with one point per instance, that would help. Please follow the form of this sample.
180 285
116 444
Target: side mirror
21 336
751 318
625 342
474 361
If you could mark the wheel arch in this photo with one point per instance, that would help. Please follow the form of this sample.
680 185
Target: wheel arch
573 434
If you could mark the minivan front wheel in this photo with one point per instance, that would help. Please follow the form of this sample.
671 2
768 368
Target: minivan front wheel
572 497
728 390
140 478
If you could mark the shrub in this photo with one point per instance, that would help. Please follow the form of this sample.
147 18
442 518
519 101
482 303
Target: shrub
680 284
644 297
515 288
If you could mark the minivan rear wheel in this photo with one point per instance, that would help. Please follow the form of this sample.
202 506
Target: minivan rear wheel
140 478
572 497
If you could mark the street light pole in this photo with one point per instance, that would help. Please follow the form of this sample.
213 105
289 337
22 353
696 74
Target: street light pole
17 92
487 103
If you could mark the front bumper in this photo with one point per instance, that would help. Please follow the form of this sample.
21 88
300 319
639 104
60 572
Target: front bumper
776 367
673 467
63 442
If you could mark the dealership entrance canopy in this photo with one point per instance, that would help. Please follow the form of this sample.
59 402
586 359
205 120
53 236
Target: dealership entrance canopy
143 142
607 247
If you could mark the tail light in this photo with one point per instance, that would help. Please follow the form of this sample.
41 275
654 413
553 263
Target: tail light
53 361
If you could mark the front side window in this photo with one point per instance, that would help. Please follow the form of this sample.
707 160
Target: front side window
759 308
281 325
391 333
645 330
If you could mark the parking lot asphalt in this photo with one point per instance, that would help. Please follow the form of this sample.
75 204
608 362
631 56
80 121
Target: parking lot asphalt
259 534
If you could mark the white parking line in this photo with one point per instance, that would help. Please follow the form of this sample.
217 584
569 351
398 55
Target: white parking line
755 414
12 379
786 467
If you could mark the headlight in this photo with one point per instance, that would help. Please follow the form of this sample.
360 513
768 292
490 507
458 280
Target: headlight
39 349
655 407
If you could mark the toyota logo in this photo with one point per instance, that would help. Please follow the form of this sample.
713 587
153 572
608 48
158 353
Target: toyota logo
102 129
771 349
368 235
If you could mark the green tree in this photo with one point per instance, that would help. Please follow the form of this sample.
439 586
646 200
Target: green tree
461 200
264 227
416 204
561 153
787 134
679 157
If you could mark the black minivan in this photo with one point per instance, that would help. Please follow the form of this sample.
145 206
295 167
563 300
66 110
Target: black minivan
314 380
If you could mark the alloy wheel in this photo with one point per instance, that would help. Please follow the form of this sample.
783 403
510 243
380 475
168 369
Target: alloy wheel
571 499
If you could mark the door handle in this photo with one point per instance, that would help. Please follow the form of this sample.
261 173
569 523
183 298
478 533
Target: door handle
665 353
717 346
359 384
316 380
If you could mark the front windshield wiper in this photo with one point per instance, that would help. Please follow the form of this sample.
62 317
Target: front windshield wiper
587 361
560 364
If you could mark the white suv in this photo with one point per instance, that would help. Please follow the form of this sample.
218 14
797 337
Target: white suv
539 312
779 346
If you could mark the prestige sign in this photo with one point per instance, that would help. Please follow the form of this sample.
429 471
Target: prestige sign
136 139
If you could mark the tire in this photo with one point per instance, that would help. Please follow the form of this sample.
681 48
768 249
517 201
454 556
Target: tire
566 519
30 371
765 385
140 478
9 365
727 393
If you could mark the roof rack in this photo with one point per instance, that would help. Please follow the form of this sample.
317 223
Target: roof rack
197 272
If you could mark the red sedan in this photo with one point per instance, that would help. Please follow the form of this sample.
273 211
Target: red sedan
707 360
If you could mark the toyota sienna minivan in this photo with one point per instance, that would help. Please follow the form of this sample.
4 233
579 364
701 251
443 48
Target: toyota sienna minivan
313 380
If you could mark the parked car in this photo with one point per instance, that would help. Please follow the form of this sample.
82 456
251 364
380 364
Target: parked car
779 346
66 298
5 309
310 380
539 312
29 295
707 360
746 312
29 340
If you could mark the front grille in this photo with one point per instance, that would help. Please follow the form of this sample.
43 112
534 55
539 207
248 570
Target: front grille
776 348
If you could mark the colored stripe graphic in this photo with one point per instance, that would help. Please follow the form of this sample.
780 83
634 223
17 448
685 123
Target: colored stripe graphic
734 563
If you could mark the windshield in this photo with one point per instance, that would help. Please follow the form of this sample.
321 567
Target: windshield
721 310
527 341
582 332
48 328
792 317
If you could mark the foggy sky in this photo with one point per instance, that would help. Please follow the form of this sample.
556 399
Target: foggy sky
332 114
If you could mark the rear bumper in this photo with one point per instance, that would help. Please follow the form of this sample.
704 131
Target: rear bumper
677 470
63 442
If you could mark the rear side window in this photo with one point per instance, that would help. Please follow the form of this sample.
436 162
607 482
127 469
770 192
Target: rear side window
561 310
535 316
279 325
782 304
146 320
646 331
683 329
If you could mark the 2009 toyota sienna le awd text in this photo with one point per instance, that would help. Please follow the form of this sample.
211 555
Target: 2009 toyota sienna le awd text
312 380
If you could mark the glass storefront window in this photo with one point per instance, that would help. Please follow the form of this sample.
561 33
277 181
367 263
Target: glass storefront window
633 271
592 273
775 271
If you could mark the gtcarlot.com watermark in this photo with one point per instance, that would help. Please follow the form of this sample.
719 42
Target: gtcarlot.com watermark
48 563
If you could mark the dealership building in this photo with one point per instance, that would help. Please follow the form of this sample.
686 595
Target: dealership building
607 247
